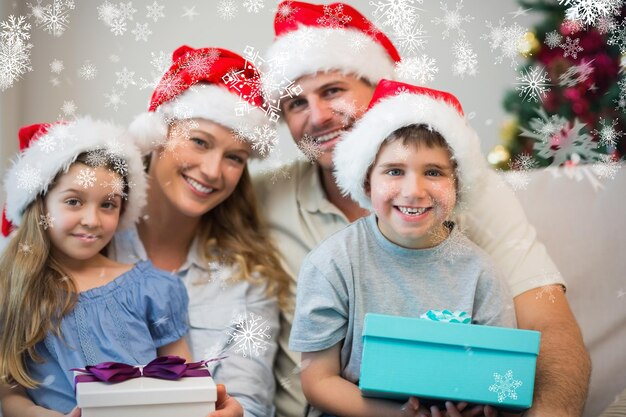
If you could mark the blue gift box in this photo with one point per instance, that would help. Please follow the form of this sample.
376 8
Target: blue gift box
435 360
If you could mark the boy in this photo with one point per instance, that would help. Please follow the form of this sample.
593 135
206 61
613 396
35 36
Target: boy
408 159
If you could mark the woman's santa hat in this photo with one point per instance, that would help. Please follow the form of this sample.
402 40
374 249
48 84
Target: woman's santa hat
314 38
49 149
396 105
209 83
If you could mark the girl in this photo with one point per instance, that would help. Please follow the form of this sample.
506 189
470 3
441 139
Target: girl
63 304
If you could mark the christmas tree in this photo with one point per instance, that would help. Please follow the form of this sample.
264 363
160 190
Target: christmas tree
569 104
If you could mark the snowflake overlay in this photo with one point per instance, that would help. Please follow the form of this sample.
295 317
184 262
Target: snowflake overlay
141 32
253 6
466 61
264 139
14 51
249 335
505 386
588 12
395 13
533 83
571 47
576 74
114 99
125 77
155 11
553 39
608 135
509 40
88 71
86 178
309 148
421 69
452 19
618 37
54 18
227 9
46 221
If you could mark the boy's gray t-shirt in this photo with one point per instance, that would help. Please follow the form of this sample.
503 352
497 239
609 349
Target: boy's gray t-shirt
358 271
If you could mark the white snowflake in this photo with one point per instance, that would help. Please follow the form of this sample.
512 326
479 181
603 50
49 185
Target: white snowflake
118 27
310 148
523 162
253 5
199 64
29 178
114 58
87 71
14 59
505 386
160 63
533 83
576 74
606 25
553 39
189 12
421 69
47 143
86 178
618 37
466 61
608 135
25 247
556 138
606 167
452 19
15 30
334 17
589 11
46 221
54 18
56 66
155 11
571 47
96 158
125 77
116 185
141 32
509 40
126 10
410 39
285 11
227 9
264 139
518 180
114 99
346 110
107 12
395 13
249 335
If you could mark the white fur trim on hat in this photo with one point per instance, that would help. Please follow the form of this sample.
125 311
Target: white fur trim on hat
308 50
36 167
357 150
206 101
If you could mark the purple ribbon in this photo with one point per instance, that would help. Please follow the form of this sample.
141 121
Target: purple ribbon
164 367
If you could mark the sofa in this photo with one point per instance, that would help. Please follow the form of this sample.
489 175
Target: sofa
581 219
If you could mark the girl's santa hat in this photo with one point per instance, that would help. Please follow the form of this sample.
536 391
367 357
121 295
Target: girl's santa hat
209 83
396 105
49 149
314 38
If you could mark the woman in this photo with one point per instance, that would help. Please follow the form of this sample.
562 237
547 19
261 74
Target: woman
202 222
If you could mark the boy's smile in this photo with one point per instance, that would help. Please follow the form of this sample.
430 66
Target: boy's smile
413 192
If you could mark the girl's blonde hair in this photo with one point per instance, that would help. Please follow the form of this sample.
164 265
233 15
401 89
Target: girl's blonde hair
234 232
35 292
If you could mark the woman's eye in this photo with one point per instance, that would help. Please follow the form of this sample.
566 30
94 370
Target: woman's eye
199 142
433 173
394 172
237 159
72 202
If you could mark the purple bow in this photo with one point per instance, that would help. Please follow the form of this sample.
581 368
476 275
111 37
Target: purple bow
164 367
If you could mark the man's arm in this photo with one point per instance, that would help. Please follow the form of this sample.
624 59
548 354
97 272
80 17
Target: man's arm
564 365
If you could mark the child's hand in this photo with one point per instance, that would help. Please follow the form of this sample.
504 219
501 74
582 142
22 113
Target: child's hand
412 408
74 413
226 406
460 411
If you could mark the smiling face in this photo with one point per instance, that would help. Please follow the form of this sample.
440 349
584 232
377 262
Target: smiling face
328 106
85 217
198 167
412 188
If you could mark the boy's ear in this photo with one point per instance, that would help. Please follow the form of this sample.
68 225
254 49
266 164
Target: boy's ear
368 189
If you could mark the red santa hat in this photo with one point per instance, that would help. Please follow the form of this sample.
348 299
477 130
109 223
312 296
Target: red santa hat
396 105
311 38
209 83
49 149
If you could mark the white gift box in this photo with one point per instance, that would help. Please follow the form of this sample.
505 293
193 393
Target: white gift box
148 397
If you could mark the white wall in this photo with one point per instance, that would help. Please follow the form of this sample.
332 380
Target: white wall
34 99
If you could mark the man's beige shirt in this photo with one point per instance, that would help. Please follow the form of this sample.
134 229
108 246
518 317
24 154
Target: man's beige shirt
301 217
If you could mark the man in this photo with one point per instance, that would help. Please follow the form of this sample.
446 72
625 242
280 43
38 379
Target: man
337 56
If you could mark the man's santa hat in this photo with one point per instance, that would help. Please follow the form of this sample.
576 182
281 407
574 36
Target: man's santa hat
209 83
396 105
49 149
314 38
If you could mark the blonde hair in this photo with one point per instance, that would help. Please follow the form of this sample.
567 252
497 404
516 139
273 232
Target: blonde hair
234 232
35 292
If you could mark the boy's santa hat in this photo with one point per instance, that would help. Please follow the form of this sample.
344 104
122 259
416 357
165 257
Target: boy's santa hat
49 149
209 83
396 105
311 38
